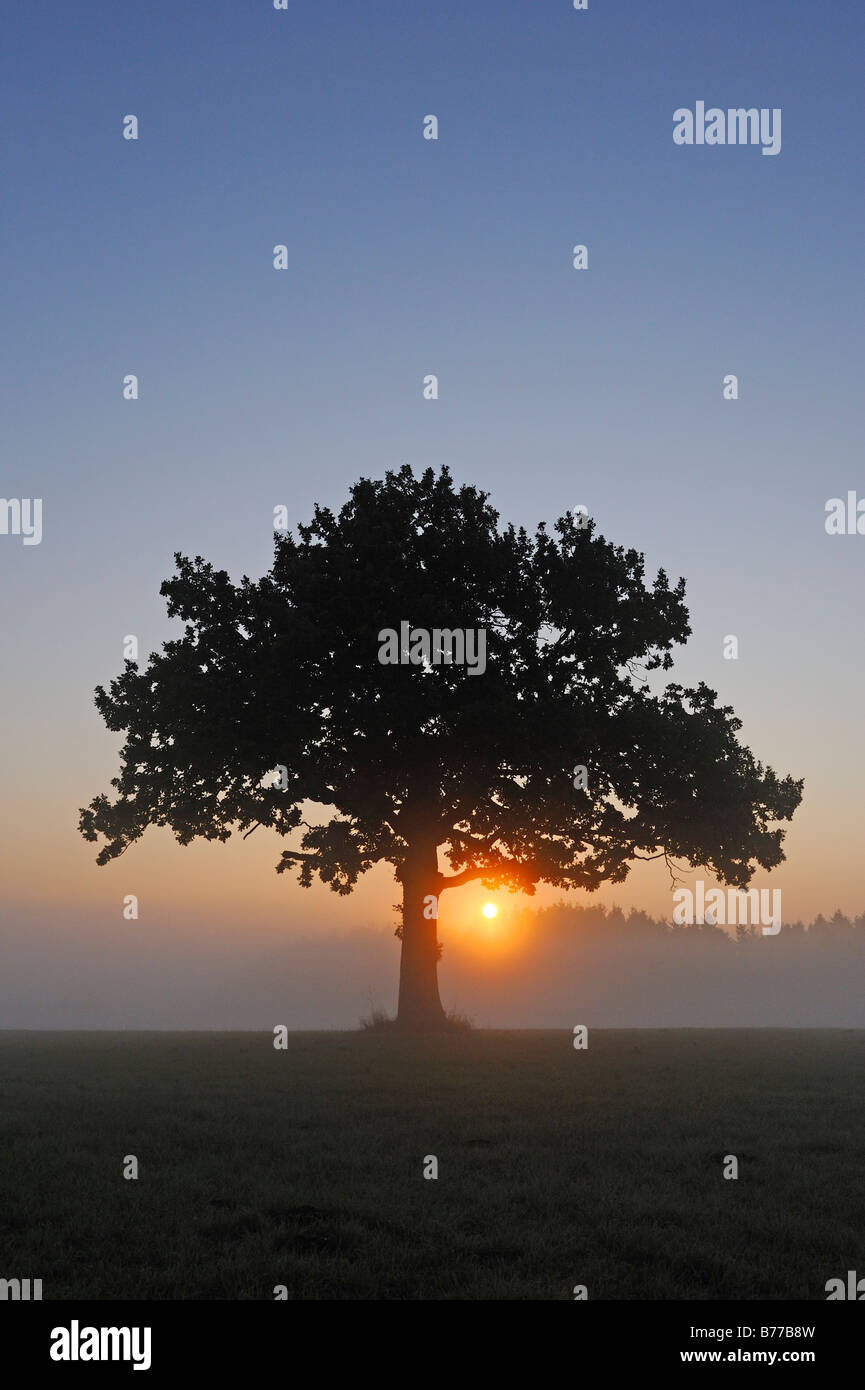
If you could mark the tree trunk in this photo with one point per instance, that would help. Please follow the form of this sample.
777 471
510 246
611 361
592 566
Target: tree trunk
419 1003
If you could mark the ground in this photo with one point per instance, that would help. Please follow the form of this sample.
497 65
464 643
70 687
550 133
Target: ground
556 1167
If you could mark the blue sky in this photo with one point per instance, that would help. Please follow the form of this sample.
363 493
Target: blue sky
453 257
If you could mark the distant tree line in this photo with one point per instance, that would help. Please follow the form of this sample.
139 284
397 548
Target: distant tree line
598 921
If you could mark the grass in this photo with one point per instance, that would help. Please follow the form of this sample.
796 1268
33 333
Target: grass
304 1167
379 1021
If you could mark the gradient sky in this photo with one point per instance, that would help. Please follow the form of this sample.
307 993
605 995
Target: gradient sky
410 257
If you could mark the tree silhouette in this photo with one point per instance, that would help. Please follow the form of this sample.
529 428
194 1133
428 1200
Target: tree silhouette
414 759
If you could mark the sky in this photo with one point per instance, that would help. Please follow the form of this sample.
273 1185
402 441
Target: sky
557 387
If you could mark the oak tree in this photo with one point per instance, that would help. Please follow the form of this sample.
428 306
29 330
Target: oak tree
447 774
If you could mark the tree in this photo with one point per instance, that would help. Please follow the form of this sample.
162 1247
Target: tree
410 760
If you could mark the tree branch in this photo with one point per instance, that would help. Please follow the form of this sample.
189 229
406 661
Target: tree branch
466 876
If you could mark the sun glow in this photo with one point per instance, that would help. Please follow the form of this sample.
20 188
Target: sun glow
490 910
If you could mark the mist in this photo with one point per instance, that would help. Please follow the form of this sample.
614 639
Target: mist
552 968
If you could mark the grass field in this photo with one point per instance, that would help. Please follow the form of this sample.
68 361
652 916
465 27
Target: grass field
304 1167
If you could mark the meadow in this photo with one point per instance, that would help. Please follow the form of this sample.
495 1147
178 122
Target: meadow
304 1167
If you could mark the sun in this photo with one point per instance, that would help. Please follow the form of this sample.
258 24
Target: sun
490 910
